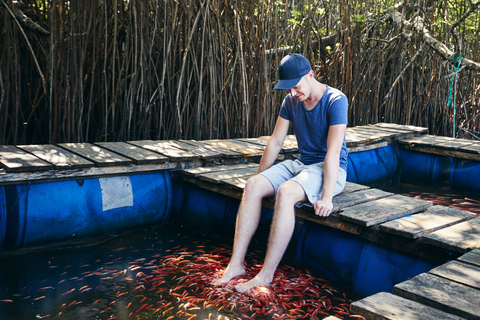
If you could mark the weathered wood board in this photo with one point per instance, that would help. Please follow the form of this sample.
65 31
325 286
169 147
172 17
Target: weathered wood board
460 237
454 143
352 187
205 170
385 134
345 200
442 294
387 306
353 138
137 154
286 147
204 146
426 140
16 160
165 148
459 272
372 146
92 172
59 157
291 140
382 210
100 156
434 218
394 126
472 257
226 177
472 148
245 150
202 151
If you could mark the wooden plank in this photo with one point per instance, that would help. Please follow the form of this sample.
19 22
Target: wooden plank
223 152
287 147
459 272
443 152
236 146
16 160
237 182
165 148
291 140
59 157
93 172
447 143
204 170
227 176
460 237
137 154
360 148
250 145
419 130
382 210
353 138
385 134
100 156
442 294
435 218
344 200
472 257
472 148
454 144
426 140
387 306
201 151
352 187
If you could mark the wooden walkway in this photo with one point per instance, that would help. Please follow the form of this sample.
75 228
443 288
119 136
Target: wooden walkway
24 163
411 225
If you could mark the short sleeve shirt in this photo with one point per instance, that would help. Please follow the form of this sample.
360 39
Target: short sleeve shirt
311 126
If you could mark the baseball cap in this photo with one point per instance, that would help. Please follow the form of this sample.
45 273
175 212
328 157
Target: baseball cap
291 69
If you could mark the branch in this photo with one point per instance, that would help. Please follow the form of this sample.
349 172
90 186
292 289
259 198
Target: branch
28 44
472 9
418 26
438 46
25 21
329 40
400 76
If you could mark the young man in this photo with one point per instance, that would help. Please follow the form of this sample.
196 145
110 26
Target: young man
318 114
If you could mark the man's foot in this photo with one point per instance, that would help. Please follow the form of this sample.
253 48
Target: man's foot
229 274
254 282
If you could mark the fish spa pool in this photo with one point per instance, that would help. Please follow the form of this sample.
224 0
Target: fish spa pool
146 246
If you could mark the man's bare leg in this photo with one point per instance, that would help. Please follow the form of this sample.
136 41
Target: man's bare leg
281 231
248 218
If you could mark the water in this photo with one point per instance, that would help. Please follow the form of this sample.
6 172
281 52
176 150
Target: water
160 273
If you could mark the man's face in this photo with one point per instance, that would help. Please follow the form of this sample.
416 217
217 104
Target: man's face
302 90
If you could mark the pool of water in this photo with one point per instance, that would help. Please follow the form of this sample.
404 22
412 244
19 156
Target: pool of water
159 273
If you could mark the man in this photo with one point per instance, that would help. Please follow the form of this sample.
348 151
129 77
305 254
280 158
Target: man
318 114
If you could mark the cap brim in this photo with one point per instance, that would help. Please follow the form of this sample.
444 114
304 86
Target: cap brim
287 84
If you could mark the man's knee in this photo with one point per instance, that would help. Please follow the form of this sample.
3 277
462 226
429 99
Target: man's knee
290 193
258 185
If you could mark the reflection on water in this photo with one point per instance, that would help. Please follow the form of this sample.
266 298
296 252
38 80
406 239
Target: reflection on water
156 274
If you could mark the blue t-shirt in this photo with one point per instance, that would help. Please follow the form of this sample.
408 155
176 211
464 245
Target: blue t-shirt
311 127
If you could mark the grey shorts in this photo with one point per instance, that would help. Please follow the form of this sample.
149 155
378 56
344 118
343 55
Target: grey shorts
309 177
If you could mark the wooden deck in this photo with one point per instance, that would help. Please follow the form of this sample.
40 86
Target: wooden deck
407 224
24 163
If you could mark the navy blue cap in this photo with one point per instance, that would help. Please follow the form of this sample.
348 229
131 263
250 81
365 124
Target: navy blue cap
291 69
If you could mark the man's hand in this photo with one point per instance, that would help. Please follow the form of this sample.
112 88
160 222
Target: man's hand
323 207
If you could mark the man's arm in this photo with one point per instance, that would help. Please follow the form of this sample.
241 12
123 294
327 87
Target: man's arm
274 144
336 134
